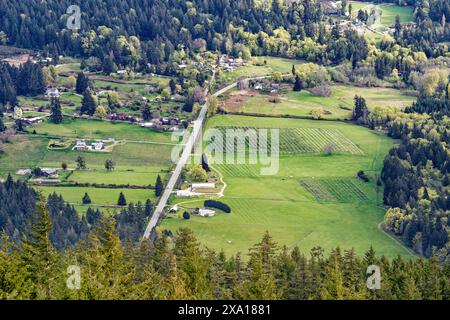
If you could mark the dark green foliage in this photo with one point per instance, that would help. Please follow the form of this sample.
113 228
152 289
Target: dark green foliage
81 163
360 110
18 124
131 221
109 165
88 104
19 204
186 215
205 165
416 178
218 205
159 187
56 113
82 83
86 199
121 201
146 113
92 216
298 86
2 125
108 65
362 175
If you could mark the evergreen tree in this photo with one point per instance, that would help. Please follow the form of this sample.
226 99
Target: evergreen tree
108 65
19 125
159 187
148 210
205 165
2 125
39 257
173 86
298 86
122 201
81 163
86 199
146 113
88 104
109 165
82 83
56 113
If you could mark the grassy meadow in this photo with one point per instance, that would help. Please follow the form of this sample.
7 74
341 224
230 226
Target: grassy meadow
337 106
314 199
137 162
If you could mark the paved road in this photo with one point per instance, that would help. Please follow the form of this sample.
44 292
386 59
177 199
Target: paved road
198 124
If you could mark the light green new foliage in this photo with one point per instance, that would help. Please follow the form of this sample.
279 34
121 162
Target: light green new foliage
337 106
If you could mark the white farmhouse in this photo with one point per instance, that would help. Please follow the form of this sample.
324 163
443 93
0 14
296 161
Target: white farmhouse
52 93
80 146
98 146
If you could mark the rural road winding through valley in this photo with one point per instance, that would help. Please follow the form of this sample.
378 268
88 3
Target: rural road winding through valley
198 126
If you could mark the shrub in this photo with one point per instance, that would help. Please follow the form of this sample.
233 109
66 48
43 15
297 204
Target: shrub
362 175
323 90
218 205
186 215
86 199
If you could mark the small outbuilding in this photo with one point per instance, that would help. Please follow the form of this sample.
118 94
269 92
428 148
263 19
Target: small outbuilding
206 212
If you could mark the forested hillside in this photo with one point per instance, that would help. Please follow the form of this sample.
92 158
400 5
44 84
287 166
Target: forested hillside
18 207
180 268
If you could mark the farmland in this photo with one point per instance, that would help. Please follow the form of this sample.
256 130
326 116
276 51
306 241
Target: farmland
389 12
260 66
336 106
314 199
137 163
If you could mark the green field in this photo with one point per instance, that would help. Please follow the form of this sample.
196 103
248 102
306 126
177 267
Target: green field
389 12
93 129
99 196
314 199
337 106
137 163
132 177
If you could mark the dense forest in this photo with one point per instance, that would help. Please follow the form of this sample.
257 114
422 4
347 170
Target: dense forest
68 226
179 268
28 80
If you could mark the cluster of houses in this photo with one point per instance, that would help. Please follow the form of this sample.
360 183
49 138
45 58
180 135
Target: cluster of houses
171 123
81 145
263 84
122 116
228 64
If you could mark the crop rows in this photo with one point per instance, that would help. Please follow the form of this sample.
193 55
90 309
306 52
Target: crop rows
245 210
297 141
238 170
334 190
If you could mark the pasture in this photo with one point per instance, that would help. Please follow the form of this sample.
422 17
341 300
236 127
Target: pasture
389 12
336 106
314 199
260 66
99 196
136 163
96 129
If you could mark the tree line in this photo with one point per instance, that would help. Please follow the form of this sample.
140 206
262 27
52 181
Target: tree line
27 80
19 202
179 267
